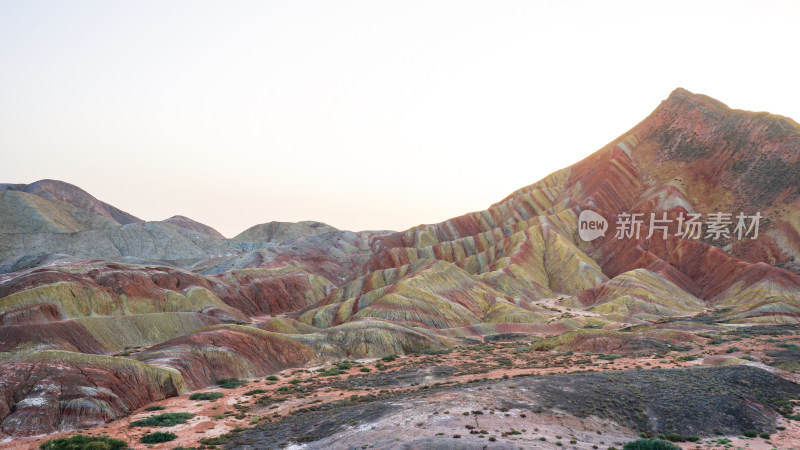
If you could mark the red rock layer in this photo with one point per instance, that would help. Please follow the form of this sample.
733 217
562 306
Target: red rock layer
227 351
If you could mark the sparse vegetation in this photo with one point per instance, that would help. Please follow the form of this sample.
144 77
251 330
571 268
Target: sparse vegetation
163 420
80 441
230 383
158 436
650 444
207 396
332 372
255 391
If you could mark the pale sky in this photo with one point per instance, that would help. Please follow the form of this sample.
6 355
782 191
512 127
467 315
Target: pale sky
362 114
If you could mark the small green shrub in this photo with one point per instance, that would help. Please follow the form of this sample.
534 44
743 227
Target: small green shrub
158 436
230 383
219 440
163 420
436 352
750 433
272 378
208 396
80 441
255 391
155 408
389 358
650 444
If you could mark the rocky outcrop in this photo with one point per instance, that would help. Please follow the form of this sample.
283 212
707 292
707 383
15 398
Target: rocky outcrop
227 351
47 391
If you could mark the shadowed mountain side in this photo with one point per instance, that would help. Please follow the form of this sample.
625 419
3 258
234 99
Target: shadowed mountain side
151 241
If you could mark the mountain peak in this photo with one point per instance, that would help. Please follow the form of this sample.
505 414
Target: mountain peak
683 98
189 224
75 196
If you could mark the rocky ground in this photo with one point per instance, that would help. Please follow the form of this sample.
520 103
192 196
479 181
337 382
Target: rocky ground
503 394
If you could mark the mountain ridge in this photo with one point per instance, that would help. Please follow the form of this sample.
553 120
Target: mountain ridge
306 293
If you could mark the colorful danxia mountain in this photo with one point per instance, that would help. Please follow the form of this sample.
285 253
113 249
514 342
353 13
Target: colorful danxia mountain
501 328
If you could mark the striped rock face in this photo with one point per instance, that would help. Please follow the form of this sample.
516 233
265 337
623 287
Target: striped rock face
155 308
